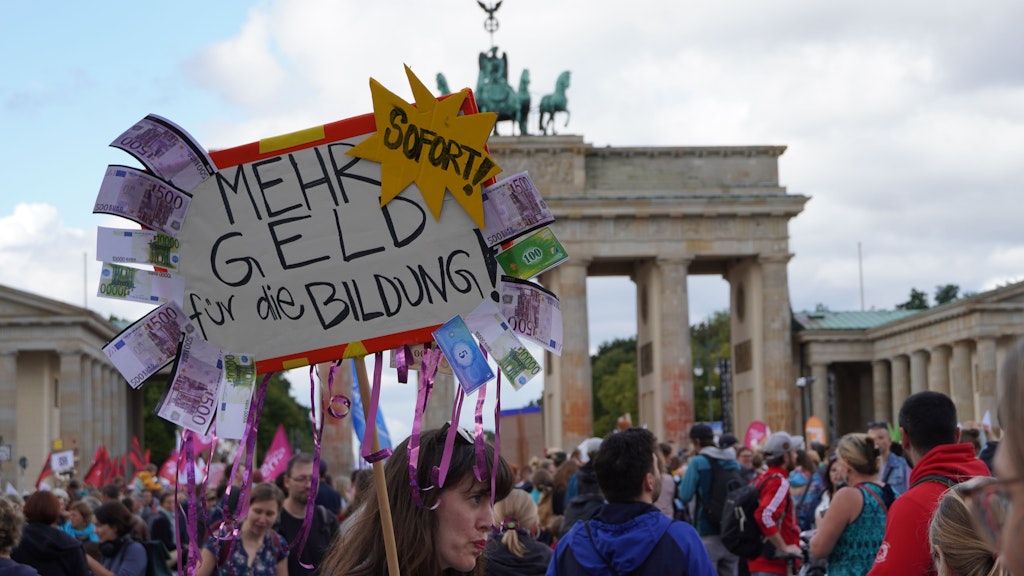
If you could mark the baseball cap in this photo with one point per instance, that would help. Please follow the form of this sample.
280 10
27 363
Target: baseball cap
778 443
702 432
728 440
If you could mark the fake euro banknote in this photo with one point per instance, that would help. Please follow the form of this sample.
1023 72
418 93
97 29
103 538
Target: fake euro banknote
142 198
137 247
416 362
533 312
532 255
149 344
127 283
463 354
514 360
191 399
235 395
168 151
513 207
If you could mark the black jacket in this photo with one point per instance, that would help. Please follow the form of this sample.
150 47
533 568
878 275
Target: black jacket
51 551
501 562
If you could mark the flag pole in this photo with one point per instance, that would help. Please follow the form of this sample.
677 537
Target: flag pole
379 480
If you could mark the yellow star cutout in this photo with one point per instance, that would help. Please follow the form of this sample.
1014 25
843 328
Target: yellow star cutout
431 145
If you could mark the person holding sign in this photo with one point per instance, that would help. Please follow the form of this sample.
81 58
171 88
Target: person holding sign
446 533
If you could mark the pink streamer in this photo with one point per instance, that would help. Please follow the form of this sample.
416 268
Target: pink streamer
370 432
497 436
428 371
439 473
480 466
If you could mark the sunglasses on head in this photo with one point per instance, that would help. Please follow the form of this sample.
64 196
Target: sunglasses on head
465 435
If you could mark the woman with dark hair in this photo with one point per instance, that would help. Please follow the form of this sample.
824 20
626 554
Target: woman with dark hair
11 522
122 555
258 550
45 547
833 480
447 534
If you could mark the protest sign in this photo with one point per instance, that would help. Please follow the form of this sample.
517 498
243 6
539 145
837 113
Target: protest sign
289 254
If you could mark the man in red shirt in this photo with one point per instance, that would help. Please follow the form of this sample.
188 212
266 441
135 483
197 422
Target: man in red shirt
930 438
776 515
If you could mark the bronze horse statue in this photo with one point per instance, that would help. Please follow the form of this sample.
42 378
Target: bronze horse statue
494 94
552 103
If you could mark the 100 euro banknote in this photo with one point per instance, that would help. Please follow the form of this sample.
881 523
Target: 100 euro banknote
147 286
235 395
150 247
149 344
514 360
190 400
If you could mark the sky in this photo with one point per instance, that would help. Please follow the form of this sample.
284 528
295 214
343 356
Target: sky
903 122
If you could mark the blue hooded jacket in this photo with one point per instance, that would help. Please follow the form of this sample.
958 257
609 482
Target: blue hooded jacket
624 538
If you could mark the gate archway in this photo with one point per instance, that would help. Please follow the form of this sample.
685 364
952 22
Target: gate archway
657 215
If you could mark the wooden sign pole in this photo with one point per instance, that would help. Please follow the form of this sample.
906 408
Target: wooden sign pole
379 480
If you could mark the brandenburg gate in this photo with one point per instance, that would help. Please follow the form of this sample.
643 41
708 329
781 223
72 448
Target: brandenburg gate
657 215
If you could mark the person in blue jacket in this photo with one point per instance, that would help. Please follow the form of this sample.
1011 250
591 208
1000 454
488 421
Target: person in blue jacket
629 535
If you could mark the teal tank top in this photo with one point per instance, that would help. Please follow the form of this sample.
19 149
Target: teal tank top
854 553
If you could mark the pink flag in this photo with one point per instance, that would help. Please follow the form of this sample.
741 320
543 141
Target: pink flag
276 459
757 435
169 470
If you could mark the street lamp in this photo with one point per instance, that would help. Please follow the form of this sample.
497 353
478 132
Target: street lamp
698 371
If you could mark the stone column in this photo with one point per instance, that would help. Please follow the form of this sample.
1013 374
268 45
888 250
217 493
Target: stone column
938 370
674 386
778 352
986 384
900 383
86 442
962 384
819 394
101 423
108 415
70 387
336 445
439 407
9 409
572 394
918 371
881 391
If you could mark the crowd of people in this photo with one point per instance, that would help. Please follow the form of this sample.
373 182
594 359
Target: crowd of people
936 499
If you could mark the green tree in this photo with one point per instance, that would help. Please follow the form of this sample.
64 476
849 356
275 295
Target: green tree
918 301
947 293
709 342
613 372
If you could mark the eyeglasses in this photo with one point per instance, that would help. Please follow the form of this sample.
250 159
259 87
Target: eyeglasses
990 506
301 479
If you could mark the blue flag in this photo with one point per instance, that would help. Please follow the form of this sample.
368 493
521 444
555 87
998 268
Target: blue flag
359 421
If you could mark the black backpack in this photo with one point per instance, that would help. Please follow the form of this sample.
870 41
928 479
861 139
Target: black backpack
723 481
740 533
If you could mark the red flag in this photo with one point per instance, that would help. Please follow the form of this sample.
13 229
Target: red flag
169 470
276 460
146 456
136 454
46 471
121 463
95 475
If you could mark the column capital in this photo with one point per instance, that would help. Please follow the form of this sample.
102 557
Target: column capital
782 258
673 261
